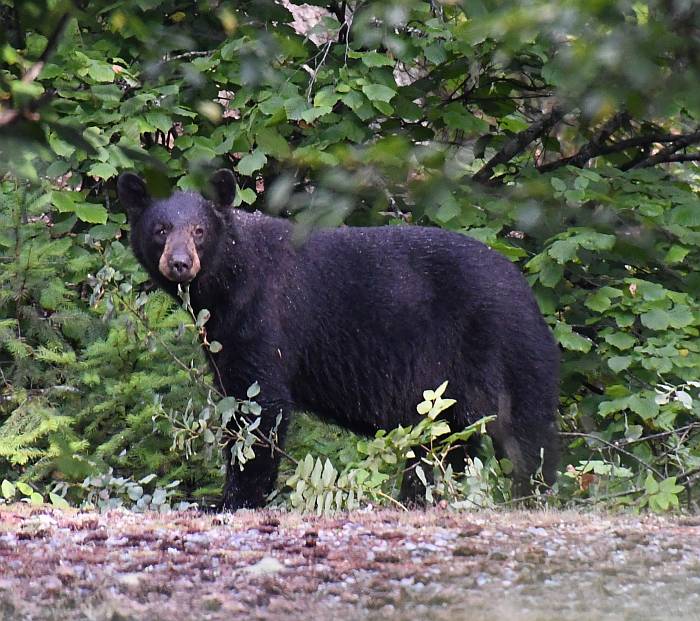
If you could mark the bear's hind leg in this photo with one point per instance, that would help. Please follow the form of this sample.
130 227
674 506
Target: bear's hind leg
529 439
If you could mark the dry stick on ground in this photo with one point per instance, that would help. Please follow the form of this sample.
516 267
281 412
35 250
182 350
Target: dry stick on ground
10 116
518 143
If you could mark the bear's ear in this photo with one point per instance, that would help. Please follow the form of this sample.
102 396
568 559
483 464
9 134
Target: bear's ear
222 187
132 193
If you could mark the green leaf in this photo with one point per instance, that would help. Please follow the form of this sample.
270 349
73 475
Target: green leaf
329 473
353 100
58 501
102 170
315 478
458 117
656 319
375 59
252 162
378 92
64 201
23 91
312 114
247 196
570 340
676 254
8 489
563 250
208 436
619 363
294 107
272 105
101 71
270 142
89 212
424 407
599 301
448 210
650 484
558 184
25 490
435 52
621 340
646 407
202 317
670 486
680 316
551 273
597 241
326 97
686 215
58 169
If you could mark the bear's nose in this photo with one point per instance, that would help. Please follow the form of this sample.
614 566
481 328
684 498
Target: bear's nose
180 264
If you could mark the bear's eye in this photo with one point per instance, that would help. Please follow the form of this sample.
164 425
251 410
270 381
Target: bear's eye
199 232
161 230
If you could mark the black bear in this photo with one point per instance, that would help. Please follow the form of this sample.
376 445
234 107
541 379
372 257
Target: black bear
354 323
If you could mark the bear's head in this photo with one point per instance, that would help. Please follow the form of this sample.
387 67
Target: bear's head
176 236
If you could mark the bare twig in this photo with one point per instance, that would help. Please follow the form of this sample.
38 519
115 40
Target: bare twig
390 498
663 434
194 54
317 69
615 447
518 143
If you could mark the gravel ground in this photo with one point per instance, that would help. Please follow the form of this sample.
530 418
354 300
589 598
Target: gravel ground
368 565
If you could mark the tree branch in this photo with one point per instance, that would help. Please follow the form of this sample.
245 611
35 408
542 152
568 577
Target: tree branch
519 142
594 146
664 154
682 157
614 147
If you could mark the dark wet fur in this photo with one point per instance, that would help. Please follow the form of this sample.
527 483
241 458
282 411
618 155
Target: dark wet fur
354 323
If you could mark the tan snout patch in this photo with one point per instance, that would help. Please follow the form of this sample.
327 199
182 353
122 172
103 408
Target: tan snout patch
178 241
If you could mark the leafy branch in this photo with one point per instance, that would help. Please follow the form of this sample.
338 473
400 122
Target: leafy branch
10 116
187 428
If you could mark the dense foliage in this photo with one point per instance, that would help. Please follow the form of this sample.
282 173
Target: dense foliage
563 134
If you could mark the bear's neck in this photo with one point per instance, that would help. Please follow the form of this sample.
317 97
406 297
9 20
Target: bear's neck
250 263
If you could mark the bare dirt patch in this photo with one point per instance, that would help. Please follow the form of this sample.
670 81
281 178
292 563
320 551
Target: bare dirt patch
421 565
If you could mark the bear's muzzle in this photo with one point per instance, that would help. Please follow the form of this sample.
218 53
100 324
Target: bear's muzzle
179 261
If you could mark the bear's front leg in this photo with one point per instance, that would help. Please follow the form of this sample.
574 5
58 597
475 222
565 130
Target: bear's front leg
250 486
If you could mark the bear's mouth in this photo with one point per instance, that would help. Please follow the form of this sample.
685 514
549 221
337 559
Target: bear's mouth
182 278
